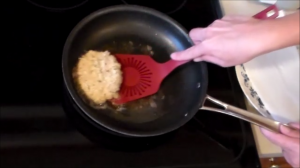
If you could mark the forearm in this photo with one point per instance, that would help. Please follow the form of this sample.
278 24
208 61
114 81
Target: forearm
282 32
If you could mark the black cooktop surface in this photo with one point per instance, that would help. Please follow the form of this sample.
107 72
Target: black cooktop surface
41 127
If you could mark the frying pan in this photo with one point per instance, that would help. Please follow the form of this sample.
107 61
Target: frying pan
132 29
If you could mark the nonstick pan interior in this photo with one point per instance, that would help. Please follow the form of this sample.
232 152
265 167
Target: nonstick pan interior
139 30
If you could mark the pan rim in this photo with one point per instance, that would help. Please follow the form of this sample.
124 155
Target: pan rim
72 91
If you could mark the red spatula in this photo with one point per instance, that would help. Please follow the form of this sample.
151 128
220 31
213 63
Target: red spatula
142 76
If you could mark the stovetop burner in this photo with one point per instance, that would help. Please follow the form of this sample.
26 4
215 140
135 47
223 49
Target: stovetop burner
105 137
168 8
39 123
56 5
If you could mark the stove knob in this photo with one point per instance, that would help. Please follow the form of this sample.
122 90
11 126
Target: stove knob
273 166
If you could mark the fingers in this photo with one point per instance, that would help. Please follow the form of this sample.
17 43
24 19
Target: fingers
295 125
198 59
196 42
277 138
236 18
188 54
291 132
197 34
211 59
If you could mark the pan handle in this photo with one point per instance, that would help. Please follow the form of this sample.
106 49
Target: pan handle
256 119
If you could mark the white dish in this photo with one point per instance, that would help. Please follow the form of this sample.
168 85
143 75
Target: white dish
249 91
271 83
275 78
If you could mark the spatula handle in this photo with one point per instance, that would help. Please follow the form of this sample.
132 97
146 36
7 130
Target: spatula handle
172 64
169 66
272 12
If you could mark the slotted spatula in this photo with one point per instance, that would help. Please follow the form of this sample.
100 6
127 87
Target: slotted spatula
142 76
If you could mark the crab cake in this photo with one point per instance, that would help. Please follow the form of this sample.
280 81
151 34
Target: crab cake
98 76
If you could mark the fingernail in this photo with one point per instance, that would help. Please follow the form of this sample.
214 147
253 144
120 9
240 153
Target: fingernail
287 127
197 59
294 125
173 55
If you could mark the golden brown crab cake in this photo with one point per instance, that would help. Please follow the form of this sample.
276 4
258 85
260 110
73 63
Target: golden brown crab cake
98 76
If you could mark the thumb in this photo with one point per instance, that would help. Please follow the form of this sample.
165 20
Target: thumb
281 139
295 125
292 130
188 54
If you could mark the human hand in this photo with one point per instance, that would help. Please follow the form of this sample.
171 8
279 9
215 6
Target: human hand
289 141
230 41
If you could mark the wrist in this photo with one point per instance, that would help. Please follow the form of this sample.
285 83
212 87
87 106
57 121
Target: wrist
279 33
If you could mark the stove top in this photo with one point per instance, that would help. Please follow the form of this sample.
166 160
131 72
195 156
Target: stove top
41 126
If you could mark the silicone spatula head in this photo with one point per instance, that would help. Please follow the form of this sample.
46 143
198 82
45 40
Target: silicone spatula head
142 76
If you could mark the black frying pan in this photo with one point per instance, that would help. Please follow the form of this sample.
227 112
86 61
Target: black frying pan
140 30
